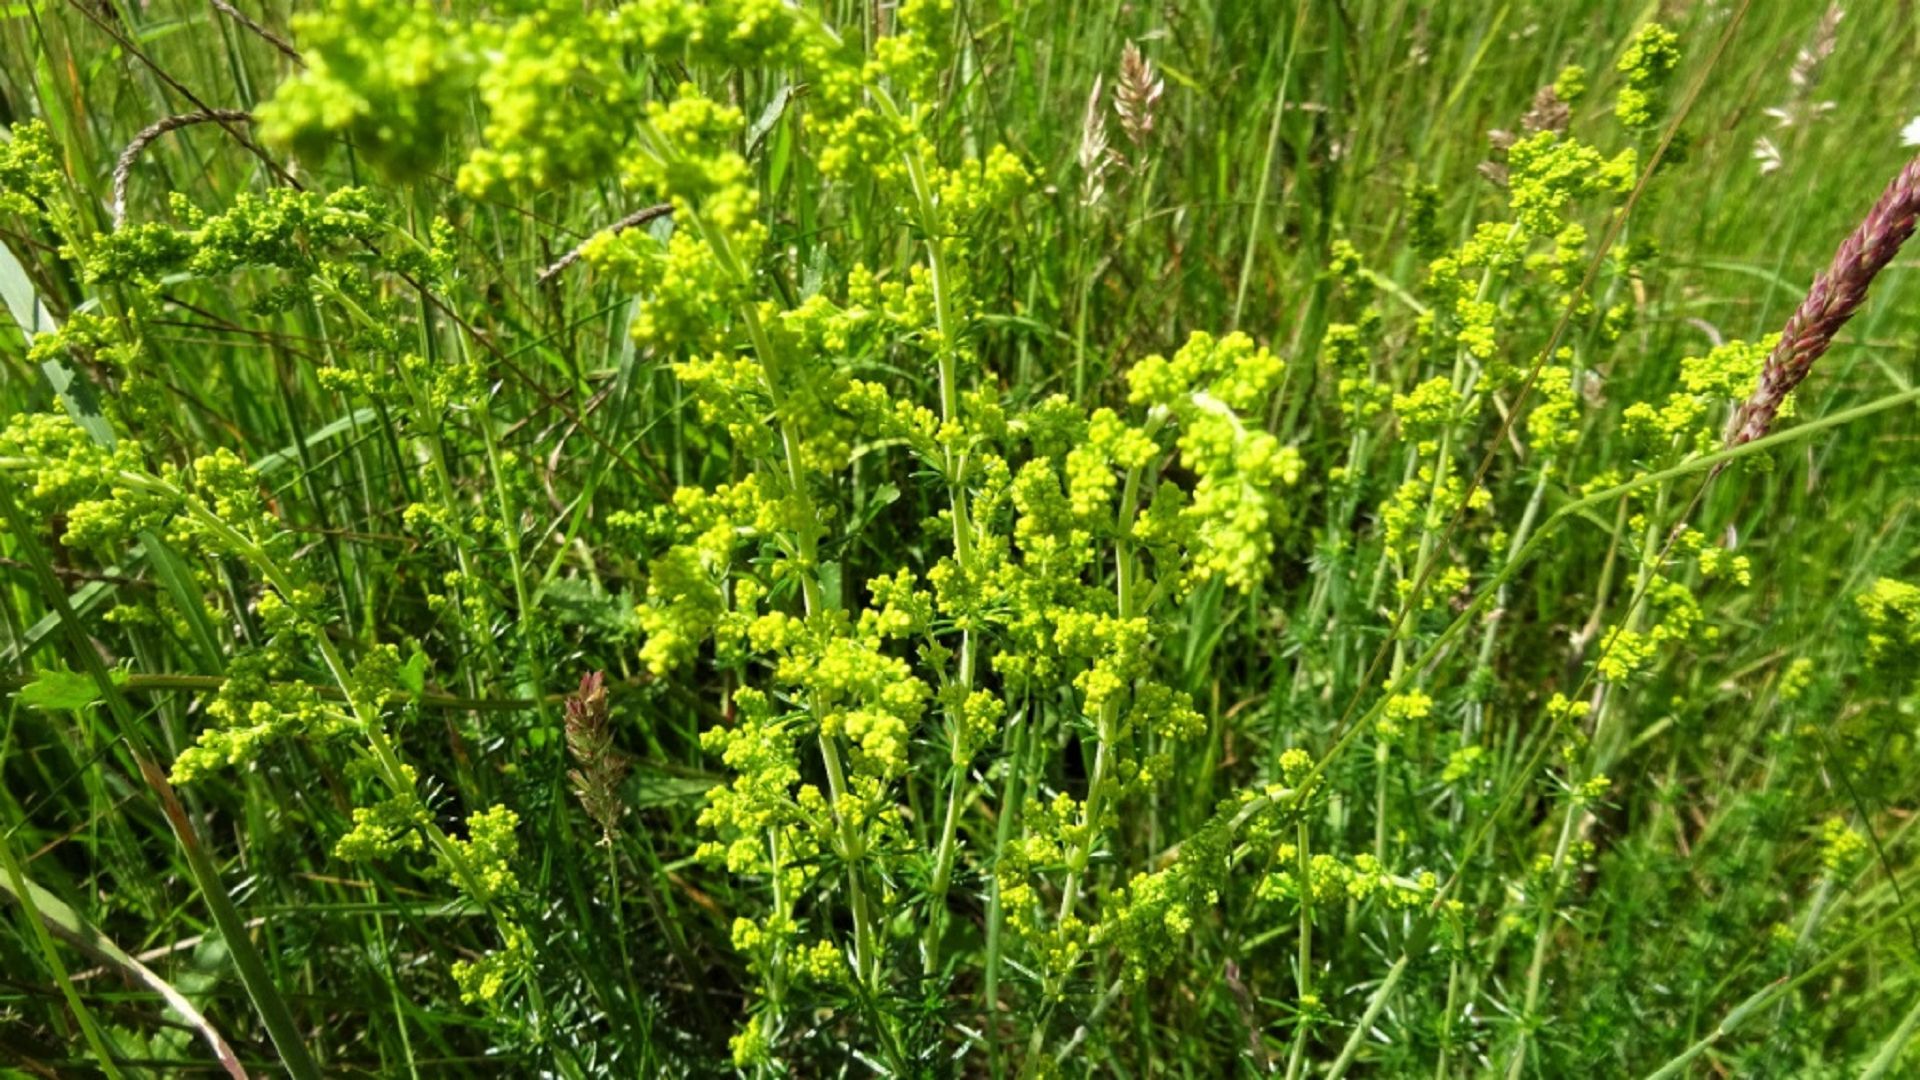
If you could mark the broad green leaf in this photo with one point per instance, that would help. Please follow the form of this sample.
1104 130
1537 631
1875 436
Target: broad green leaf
60 691
413 673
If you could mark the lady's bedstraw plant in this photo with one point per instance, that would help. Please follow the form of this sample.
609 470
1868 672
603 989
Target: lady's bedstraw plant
214 508
1056 551
326 250
1063 544
1486 306
947 642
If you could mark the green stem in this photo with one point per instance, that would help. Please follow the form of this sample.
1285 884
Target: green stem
954 467
516 564
1542 931
1266 164
1303 977
1365 1025
866 958
1125 601
1446 1017
1003 833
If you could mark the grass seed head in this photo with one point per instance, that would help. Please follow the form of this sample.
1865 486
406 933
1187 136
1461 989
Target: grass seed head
590 738
1135 96
1836 294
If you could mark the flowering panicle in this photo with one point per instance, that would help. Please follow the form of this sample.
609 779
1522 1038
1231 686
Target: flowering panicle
601 768
1135 95
1800 109
1095 156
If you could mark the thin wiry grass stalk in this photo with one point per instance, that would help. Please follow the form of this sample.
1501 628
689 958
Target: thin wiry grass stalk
259 31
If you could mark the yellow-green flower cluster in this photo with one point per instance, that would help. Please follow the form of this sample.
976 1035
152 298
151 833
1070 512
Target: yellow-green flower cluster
1331 880
917 51
1624 653
1403 709
1647 66
861 693
1428 409
1546 172
1553 425
1892 611
1344 352
488 851
393 79
1677 616
486 980
1209 386
723 33
386 827
284 228
691 161
257 706
1420 506
1690 420
994 182
762 796
1463 764
29 176
1148 920
686 599
1841 849
1571 84
105 340
1716 563
551 81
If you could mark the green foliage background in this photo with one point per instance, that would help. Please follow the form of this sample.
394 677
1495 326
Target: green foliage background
451 476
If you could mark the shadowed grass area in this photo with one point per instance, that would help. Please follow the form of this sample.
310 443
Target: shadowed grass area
1223 734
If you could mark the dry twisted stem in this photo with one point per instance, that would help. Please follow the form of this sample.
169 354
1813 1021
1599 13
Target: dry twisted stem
123 168
633 220
1836 295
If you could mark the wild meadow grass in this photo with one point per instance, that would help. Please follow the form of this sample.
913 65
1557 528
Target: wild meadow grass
958 539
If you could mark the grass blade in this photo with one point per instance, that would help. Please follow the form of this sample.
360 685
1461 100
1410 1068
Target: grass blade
66 924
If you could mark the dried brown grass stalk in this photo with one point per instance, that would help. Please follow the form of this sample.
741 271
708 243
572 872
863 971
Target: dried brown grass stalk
1836 294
